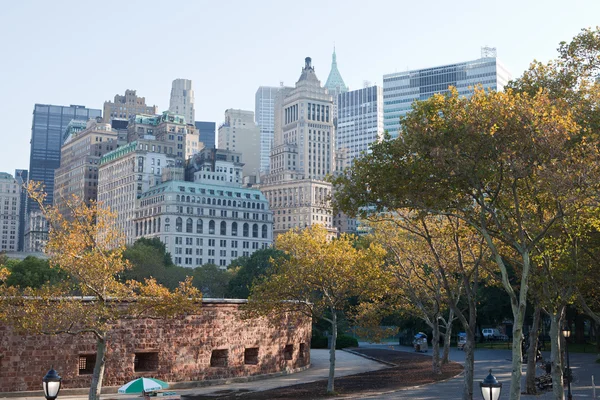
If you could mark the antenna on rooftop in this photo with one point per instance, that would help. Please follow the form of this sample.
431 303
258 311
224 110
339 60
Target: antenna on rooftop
488 52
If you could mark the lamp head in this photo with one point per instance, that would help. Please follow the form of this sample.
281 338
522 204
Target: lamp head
51 383
490 387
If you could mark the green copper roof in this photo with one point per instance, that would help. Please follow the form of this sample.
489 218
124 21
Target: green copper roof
335 81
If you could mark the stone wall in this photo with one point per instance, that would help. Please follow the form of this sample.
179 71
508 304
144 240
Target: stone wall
171 350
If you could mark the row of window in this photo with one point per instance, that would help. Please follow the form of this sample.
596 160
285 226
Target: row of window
154 226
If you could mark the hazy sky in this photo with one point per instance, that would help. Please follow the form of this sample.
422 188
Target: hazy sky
84 52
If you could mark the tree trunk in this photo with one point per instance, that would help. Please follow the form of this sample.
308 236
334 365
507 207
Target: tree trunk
330 383
435 343
517 354
469 362
98 376
532 351
556 353
448 338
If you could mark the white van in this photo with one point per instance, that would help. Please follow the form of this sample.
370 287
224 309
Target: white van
491 333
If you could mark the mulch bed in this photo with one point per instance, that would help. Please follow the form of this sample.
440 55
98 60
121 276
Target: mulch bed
411 370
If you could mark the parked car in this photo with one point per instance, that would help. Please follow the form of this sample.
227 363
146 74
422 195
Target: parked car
490 333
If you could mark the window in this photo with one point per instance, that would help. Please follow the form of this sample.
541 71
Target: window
86 364
223 228
178 224
218 358
234 229
199 227
251 356
211 227
246 231
302 350
145 362
288 351
189 226
264 231
255 230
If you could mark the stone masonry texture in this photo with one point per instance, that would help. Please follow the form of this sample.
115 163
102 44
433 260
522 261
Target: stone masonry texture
182 346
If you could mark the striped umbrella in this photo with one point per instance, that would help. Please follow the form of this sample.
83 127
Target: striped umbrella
143 385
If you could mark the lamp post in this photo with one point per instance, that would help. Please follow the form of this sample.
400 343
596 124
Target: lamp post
490 387
51 383
567 333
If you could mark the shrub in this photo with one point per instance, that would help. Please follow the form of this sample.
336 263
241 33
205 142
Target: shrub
344 341
318 342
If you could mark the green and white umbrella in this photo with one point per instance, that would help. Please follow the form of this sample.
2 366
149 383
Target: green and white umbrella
143 385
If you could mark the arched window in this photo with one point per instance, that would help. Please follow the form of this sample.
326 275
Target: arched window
244 204
219 202
187 199
223 228
178 198
264 231
137 229
214 202
204 200
189 226
262 206
178 224
199 226
234 229
255 230
153 225
145 227
158 229
253 205
229 203
246 231
211 227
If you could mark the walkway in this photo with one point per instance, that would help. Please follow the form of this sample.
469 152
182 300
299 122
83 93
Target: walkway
583 365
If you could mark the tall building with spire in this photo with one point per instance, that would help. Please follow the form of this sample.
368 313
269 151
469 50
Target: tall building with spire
303 154
335 85
182 100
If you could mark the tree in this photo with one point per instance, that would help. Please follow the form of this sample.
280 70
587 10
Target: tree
86 246
508 164
248 269
440 259
32 272
317 278
212 280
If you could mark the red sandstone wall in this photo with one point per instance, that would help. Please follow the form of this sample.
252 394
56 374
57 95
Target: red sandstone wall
184 349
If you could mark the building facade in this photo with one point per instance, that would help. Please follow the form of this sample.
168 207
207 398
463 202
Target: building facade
80 156
182 99
127 172
21 177
202 223
207 132
303 154
127 106
360 121
10 203
239 133
401 89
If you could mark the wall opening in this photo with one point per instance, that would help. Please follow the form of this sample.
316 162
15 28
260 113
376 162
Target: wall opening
218 358
145 362
288 351
86 364
251 356
302 350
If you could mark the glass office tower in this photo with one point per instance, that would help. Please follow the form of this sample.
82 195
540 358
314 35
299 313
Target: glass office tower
401 89
48 128
207 132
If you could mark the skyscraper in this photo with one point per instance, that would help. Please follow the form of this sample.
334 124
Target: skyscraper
80 156
47 136
10 198
21 177
182 100
401 89
239 133
264 111
127 106
303 155
208 133
335 85
360 120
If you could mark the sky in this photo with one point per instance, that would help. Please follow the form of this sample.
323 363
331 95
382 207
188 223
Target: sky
84 52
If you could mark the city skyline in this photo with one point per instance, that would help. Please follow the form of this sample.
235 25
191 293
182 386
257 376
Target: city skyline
225 79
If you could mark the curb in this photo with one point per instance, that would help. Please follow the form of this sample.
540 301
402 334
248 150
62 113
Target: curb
370 358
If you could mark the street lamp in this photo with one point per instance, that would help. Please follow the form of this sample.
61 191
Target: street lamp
490 387
51 383
567 333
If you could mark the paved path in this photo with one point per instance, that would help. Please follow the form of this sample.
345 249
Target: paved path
583 365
